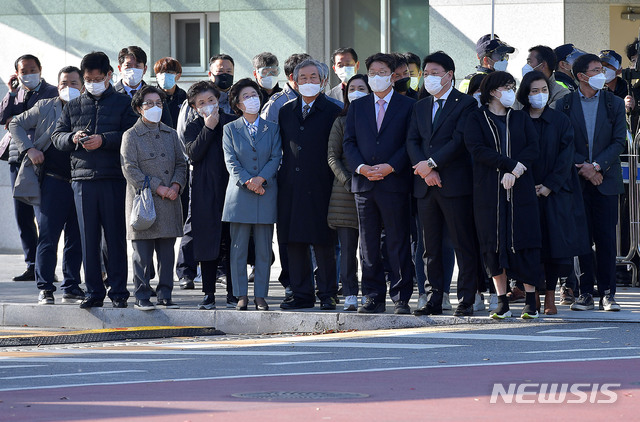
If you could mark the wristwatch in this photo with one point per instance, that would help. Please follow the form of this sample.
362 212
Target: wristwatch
596 166
432 164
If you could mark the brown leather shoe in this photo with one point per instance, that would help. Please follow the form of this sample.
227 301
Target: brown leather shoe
516 295
550 303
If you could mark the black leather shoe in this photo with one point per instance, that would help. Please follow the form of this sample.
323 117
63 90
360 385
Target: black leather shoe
261 304
187 284
372 306
90 302
168 304
428 309
328 304
243 301
295 304
28 275
119 303
142 305
402 308
463 310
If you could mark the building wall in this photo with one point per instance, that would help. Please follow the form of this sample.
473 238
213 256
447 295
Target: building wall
622 31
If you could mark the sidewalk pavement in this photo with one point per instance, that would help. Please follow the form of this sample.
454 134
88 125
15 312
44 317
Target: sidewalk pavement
19 308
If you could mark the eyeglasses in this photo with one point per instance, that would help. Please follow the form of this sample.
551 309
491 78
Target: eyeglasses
149 104
268 71
507 88
94 81
596 70
380 73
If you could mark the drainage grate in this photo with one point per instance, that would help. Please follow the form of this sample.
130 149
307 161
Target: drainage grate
300 395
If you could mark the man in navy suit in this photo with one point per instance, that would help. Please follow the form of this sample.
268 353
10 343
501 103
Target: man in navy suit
375 146
443 182
598 119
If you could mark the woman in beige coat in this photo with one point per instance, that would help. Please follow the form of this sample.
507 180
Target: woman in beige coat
151 149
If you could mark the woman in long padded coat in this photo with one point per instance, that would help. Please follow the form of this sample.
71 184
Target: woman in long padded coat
503 144
563 220
203 143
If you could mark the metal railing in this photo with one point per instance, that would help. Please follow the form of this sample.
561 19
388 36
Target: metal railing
634 209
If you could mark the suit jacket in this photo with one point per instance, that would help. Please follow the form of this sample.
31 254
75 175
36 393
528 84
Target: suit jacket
245 158
364 144
166 113
444 143
609 138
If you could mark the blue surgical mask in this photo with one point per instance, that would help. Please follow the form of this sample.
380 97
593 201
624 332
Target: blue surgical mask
166 80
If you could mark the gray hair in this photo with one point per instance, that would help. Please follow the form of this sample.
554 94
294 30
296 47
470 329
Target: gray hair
323 69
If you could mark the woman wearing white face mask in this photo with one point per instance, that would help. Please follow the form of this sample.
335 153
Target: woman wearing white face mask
504 144
252 153
151 151
562 215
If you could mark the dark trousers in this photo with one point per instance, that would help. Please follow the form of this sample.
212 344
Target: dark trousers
186 266
57 213
142 258
284 277
209 269
602 217
348 237
100 205
25 217
555 270
391 210
301 272
457 213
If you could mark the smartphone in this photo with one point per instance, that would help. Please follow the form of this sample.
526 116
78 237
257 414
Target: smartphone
15 83
83 140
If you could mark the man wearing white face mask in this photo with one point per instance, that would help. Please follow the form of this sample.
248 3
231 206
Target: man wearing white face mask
26 87
54 196
598 119
493 54
266 72
345 64
543 59
612 63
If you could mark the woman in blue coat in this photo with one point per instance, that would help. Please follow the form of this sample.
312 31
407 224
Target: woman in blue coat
252 153
504 144
563 220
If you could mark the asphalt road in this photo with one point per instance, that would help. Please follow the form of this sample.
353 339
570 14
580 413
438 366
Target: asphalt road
444 373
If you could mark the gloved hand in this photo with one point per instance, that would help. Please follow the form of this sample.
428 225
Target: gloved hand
508 180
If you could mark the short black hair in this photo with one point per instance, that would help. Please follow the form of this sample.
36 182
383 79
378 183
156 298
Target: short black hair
96 60
441 58
345 94
264 59
475 82
525 86
293 61
199 88
138 98
412 58
385 58
581 65
631 49
71 69
134 51
27 57
236 89
493 81
400 60
545 54
344 50
221 57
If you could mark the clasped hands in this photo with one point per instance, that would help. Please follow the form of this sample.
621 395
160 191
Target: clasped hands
376 172
169 193
430 176
588 171
509 179
255 185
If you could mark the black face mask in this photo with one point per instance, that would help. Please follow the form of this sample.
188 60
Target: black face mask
402 85
223 81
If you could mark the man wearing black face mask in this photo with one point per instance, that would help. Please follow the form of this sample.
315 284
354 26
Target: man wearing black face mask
403 77
221 69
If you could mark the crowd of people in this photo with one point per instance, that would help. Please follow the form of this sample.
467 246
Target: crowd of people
394 169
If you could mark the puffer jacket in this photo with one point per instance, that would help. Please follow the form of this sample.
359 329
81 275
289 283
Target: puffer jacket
109 115
342 205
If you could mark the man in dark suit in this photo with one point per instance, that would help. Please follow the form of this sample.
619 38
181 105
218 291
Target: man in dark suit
375 147
598 119
443 182
304 188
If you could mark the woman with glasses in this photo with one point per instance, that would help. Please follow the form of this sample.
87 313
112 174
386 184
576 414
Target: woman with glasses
152 154
504 144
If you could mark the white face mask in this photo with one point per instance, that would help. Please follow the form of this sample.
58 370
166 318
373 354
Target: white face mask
433 84
597 82
355 95
309 90
527 68
268 82
507 98
539 100
154 114
609 74
415 83
68 93
345 73
477 97
30 81
380 83
206 111
252 105
95 88
501 65
132 76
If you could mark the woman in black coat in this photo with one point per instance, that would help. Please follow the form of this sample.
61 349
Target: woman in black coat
562 215
503 144
203 143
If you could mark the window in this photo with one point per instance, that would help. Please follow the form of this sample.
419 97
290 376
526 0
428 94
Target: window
194 38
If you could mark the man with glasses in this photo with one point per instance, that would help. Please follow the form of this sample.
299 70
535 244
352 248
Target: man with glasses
266 72
493 54
91 128
598 119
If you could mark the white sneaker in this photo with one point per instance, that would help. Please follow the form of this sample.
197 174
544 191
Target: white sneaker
422 301
478 305
351 303
446 303
493 302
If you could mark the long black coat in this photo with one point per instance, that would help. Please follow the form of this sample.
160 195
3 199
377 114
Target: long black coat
563 220
489 166
208 185
305 178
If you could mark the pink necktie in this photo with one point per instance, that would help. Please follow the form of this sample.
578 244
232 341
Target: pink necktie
380 113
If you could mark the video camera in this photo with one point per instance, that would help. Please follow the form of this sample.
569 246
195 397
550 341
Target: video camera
633 73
